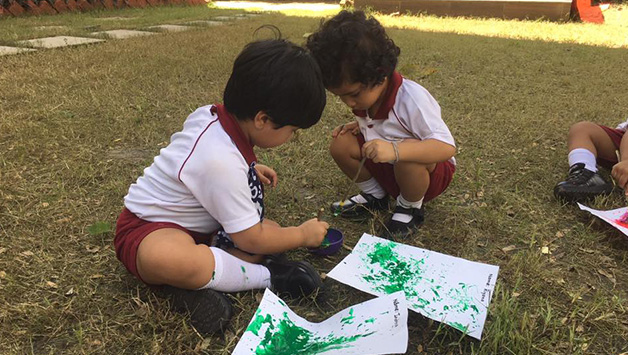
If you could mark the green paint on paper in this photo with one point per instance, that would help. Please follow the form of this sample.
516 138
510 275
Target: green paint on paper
213 274
370 320
283 337
459 326
243 269
282 303
397 274
348 319
463 301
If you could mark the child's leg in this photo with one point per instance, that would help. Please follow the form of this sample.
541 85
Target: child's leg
345 150
588 144
588 141
413 180
170 256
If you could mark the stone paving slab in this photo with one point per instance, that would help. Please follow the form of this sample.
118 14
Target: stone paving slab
58 41
223 18
14 50
205 23
170 28
122 34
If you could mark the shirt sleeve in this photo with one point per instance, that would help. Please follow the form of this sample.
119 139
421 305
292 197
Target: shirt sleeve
622 126
422 116
221 186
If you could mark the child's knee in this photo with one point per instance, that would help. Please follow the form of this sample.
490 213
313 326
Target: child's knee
581 128
342 145
413 168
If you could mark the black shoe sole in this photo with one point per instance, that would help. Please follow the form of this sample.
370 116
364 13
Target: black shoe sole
209 311
313 276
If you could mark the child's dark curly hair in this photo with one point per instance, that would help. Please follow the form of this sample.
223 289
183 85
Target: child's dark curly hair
351 48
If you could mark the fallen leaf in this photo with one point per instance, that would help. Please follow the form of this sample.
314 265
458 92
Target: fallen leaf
92 249
563 321
258 297
51 284
3 274
608 275
545 250
45 204
419 348
509 248
70 292
560 234
96 276
98 342
561 281
516 294
479 194
27 253
2 250
580 328
323 276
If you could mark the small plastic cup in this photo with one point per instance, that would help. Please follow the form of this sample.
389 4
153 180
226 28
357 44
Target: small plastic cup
331 244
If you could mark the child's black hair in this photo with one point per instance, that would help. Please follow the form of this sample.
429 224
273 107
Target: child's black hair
352 48
279 78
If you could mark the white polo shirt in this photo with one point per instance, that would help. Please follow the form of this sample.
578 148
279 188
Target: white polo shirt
622 126
204 179
407 111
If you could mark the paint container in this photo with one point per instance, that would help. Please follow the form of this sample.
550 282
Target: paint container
331 244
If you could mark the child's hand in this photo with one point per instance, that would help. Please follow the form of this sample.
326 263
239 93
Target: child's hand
379 151
347 127
313 232
620 174
266 175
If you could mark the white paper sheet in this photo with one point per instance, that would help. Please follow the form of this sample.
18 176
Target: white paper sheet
378 326
612 217
447 289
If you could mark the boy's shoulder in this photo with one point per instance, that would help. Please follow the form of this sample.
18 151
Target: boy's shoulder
412 94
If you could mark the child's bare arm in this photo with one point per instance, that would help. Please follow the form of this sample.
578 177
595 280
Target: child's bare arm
265 238
428 151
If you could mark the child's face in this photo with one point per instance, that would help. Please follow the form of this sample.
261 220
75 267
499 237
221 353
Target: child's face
360 96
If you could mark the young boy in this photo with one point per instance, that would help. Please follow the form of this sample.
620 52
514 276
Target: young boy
590 144
398 128
207 180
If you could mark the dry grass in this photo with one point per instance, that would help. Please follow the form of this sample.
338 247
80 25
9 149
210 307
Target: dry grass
78 125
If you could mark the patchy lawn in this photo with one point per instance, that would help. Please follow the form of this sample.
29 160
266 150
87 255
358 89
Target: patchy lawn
79 125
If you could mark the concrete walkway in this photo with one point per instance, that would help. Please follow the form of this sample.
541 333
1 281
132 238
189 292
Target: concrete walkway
102 36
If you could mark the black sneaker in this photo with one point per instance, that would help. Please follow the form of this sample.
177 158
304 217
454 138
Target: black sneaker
357 210
582 184
294 278
398 230
209 310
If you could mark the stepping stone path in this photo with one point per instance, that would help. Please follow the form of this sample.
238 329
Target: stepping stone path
58 41
122 34
170 28
205 23
14 50
224 18
64 41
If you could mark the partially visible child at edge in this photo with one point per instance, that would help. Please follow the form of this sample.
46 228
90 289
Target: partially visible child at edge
591 144
398 126
207 181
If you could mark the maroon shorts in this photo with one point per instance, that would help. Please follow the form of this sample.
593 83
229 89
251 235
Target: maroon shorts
616 136
384 173
131 230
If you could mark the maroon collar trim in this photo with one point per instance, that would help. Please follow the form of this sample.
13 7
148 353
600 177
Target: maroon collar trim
234 131
388 102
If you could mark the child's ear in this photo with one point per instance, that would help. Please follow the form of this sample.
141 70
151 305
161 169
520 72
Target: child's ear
261 119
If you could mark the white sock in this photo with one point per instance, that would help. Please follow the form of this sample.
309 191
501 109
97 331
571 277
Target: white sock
371 187
581 155
402 217
233 275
